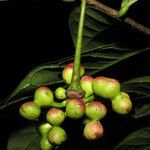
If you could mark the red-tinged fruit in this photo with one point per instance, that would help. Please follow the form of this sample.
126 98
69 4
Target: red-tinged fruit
45 144
95 110
106 87
44 129
30 110
55 116
43 96
68 71
121 104
93 130
75 108
57 135
86 85
60 93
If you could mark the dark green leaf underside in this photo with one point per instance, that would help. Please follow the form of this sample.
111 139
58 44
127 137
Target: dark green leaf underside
138 140
24 139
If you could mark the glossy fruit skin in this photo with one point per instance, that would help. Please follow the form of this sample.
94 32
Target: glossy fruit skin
93 130
45 144
60 93
30 110
43 96
44 129
95 110
57 135
106 87
68 71
55 116
86 85
75 108
121 104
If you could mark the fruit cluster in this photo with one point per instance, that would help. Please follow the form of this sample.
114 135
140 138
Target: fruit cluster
93 110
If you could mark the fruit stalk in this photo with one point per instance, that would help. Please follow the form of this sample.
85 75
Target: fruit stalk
75 82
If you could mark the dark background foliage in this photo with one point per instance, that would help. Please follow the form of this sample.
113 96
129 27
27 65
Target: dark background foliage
33 32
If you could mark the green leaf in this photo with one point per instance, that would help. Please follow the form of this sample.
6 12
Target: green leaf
138 140
96 22
142 111
125 5
100 51
138 86
24 139
42 75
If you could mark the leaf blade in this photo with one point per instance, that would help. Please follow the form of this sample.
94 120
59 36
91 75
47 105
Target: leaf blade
24 139
139 140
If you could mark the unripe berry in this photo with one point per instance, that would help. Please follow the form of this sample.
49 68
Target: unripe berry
95 110
44 129
30 110
86 85
45 144
106 87
60 93
57 135
125 94
68 71
43 96
93 130
75 108
55 116
121 104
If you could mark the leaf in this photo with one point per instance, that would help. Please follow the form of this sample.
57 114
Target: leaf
42 75
138 86
138 140
98 48
142 111
125 5
24 139
95 23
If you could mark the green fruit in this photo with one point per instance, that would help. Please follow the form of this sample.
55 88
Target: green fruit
30 110
75 108
44 129
125 94
60 93
86 85
68 71
43 96
55 116
95 110
93 130
57 135
106 87
45 144
121 104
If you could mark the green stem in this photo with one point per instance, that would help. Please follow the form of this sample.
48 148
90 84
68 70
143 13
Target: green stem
75 83
59 105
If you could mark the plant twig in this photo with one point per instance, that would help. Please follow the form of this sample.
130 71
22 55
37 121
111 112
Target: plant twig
75 90
114 13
